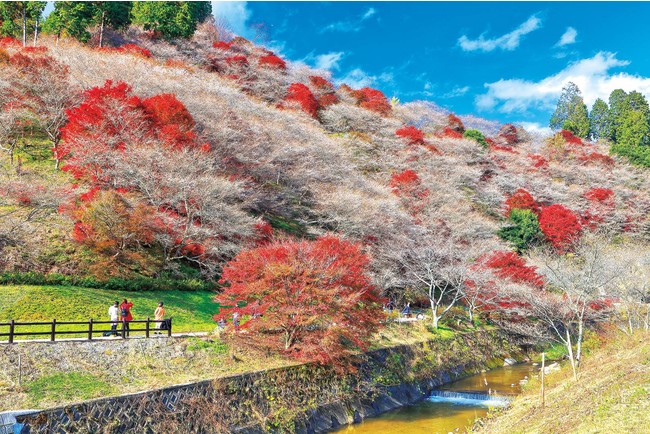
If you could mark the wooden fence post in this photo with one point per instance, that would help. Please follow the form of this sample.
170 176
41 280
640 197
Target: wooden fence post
123 329
53 332
169 329
146 329
90 329
543 364
11 331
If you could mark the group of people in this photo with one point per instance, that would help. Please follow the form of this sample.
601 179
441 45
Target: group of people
122 313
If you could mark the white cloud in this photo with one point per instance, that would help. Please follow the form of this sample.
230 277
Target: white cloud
351 25
536 129
236 14
357 78
591 75
508 42
456 92
329 61
569 37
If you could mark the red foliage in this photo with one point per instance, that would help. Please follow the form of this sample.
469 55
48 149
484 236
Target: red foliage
222 45
35 50
321 83
301 94
173 123
539 161
412 134
494 147
522 199
311 300
408 186
455 124
509 265
596 157
509 134
570 138
373 100
193 250
81 231
263 233
239 61
133 49
604 196
560 226
272 61
328 99
450 133
9 42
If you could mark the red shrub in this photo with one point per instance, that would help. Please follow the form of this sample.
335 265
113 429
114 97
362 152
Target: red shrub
604 196
450 133
538 161
174 123
560 226
373 100
509 134
221 45
412 134
598 158
454 123
321 83
521 199
238 61
301 94
8 41
569 137
509 265
35 50
328 99
408 186
272 61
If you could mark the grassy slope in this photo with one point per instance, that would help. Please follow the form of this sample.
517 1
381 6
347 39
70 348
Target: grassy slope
191 311
612 394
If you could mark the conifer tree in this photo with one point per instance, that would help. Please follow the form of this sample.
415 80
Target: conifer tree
571 112
599 122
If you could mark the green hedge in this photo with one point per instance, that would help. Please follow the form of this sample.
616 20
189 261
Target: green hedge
114 283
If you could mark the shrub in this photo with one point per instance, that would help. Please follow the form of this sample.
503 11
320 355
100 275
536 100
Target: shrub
221 45
414 135
509 265
560 226
521 199
477 136
301 94
600 195
569 137
523 230
454 123
373 100
272 61
510 134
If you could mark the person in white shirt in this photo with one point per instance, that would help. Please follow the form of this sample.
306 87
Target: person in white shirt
114 314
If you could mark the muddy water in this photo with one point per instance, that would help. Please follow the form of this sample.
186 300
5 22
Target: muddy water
444 415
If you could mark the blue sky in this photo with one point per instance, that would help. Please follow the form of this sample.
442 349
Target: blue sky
500 60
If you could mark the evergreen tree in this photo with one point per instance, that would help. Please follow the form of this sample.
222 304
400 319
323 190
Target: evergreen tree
571 112
171 19
523 230
74 19
599 123
617 103
18 18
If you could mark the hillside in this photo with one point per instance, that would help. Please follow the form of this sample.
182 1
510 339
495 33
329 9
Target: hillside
280 146
610 395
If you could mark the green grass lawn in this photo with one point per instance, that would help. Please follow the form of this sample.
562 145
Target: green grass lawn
191 311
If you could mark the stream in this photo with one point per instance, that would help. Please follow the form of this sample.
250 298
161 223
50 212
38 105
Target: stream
452 407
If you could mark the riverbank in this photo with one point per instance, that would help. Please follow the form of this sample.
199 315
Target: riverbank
302 398
611 394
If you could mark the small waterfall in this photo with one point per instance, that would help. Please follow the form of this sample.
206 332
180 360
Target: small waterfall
468 398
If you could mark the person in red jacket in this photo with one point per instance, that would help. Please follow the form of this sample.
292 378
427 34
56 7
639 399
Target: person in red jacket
125 314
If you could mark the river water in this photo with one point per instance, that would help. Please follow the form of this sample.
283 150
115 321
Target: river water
446 414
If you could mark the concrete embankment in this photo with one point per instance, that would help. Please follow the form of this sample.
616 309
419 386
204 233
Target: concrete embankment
303 399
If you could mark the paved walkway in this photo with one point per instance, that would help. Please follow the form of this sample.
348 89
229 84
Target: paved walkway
8 420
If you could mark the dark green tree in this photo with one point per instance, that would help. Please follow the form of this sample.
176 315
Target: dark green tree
18 18
571 112
617 107
75 19
171 19
599 123
522 230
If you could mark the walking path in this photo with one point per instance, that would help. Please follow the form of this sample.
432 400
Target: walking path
109 338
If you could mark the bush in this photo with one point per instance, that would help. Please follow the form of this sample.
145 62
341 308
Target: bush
477 136
115 284
523 230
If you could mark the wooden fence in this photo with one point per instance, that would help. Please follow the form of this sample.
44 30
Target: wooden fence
122 328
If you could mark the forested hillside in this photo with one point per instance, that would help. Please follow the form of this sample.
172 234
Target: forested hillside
158 156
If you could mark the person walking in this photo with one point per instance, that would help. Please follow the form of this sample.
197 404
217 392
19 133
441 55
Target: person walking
114 315
235 321
159 316
125 314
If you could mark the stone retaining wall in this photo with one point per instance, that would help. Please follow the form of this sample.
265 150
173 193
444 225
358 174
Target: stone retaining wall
303 399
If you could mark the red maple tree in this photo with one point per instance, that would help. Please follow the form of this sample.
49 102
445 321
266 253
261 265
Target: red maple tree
522 199
560 226
310 300
509 265
272 61
301 94
414 135
373 100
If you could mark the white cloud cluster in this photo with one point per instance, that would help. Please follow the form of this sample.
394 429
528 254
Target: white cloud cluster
236 14
352 25
329 61
591 75
508 42
568 37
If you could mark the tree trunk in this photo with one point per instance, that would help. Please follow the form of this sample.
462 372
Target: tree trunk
579 344
101 30
571 359
35 31
24 24
434 314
